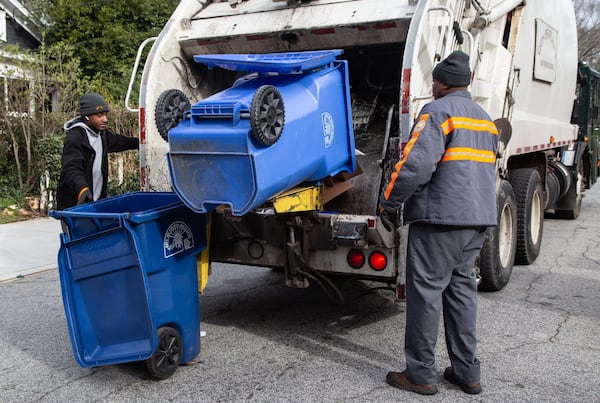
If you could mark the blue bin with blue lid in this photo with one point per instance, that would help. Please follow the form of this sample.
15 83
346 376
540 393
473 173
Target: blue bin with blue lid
127 267
287 121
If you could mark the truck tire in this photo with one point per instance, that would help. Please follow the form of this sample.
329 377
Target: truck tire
165 361
267 115
497 255
170 107
527 185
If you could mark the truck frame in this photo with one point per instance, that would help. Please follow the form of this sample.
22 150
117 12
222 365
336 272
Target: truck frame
524 63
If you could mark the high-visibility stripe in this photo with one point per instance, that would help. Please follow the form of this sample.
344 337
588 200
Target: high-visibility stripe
468 154
407 149
478 125
81 192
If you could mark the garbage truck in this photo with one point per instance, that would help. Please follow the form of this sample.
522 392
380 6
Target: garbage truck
586 115
523 56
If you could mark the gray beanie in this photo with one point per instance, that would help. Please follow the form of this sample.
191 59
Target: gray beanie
454 70
92 103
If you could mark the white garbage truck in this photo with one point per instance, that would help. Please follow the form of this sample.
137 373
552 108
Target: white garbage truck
524 60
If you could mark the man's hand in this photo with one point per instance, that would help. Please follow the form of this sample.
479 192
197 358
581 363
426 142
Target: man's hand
389 219
85 196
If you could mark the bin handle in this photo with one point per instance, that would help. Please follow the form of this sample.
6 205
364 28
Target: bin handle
95 219
64 214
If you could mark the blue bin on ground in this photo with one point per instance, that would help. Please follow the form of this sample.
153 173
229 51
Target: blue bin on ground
286 122
127 267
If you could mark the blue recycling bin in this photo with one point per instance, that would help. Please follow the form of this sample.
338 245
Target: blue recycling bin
286 122
127 267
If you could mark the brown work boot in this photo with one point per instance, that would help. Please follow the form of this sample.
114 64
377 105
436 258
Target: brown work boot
470 388
400 381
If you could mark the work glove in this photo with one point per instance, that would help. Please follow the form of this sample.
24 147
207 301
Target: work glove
85 197
389 219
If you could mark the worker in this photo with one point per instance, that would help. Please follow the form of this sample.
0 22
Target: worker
84 162
445 180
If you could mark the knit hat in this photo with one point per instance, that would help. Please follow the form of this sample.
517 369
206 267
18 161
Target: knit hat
454 70
92 103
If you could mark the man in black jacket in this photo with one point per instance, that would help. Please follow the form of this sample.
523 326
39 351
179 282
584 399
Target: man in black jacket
84 164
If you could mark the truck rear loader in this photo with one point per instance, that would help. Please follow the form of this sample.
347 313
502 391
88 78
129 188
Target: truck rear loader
523 56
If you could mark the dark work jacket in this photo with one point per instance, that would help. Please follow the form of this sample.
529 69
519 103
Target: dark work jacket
447 174
78 159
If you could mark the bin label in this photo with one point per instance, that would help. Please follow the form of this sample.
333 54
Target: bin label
328 128
178 238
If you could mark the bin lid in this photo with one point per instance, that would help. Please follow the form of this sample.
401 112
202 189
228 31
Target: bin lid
283 63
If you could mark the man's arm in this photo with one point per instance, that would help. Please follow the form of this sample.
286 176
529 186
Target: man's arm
419 161
117 142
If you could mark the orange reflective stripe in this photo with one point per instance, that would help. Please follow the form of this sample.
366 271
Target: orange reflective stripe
468 154
81 192
407 149
477 125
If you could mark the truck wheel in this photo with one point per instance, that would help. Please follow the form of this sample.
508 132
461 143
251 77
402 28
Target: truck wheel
497 255
580 185
527 185
170 107
167 358
267 115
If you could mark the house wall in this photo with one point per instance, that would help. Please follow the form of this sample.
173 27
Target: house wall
16 35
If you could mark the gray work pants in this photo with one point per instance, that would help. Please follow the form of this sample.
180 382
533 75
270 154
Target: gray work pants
439 273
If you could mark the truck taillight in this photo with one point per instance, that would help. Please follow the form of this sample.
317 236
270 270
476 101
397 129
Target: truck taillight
356 258
377 261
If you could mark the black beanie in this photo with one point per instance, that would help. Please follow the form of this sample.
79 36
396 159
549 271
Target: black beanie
454 70
92 103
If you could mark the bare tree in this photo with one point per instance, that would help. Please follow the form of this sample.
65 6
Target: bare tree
588 31
38 91
16 100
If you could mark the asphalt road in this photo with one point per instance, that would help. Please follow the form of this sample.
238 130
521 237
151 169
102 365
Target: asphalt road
538 338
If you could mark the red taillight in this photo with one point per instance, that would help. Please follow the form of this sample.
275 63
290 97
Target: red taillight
377 261
356 259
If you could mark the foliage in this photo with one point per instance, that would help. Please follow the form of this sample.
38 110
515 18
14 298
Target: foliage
123 174
48 154
42 88
106 35
129 181
87 46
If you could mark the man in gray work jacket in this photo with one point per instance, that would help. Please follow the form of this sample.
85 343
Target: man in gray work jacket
446 180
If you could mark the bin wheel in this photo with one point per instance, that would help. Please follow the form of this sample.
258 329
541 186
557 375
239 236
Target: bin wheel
267 115
165 361
170 107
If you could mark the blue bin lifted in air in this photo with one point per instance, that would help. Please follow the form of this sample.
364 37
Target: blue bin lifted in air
127 267
286 122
